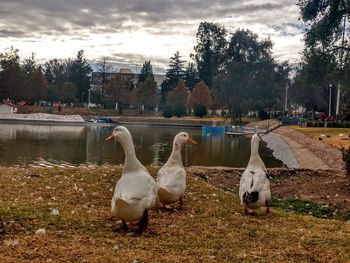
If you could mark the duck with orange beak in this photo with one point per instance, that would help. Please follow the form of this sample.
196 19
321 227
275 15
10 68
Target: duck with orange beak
171 178
135 192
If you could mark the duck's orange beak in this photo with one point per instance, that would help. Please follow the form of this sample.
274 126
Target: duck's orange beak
109 139
191 141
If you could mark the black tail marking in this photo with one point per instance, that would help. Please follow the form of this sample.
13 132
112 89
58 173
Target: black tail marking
251 197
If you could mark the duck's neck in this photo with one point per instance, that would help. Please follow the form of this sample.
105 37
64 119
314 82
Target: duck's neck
255 160
131 163
175 156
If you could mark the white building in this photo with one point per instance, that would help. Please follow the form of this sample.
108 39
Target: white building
7 107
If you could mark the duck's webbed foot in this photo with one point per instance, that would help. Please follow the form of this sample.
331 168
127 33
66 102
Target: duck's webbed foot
143 223
181 203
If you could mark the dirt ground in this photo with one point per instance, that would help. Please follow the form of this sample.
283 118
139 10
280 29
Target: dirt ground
321 186
330 187
63 215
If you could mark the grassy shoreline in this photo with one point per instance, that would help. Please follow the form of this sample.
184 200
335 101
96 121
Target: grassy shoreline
211 227
338 137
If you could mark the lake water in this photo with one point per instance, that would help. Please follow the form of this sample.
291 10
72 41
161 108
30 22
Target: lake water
76 145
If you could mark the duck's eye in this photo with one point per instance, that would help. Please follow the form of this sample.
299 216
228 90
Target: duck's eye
184 135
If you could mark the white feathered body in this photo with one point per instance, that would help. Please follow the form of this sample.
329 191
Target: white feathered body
134 192
171 178
136 189
254 179
171 182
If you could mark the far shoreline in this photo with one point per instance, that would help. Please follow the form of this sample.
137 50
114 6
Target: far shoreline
282 145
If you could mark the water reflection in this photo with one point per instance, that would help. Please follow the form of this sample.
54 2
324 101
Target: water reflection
27 144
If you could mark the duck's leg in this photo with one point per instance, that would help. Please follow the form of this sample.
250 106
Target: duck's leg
124 225
143 223
2 227
267 208
181 203
246 210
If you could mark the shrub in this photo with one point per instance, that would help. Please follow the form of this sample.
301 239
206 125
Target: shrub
263 115
167 111
179 110
200 110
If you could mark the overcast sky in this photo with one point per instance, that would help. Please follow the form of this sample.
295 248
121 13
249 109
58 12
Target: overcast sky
137 30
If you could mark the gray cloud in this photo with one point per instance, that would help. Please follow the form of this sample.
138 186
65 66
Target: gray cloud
21 19
44 16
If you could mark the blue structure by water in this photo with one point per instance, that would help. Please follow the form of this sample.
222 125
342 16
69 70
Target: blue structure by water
213 131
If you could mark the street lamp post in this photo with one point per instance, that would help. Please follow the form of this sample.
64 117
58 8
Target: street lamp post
82 98
286 101
330 100
338 103
89 98
341 66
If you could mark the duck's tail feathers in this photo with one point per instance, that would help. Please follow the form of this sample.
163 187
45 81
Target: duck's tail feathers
251 197
119 204
165 196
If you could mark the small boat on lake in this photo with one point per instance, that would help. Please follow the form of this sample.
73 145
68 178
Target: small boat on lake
102 121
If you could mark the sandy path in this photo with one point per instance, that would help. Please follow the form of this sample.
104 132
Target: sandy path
309 152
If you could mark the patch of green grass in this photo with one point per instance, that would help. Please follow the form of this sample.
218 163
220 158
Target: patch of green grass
304 207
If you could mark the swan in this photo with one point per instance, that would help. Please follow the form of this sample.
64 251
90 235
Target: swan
254 190
171 178
135 192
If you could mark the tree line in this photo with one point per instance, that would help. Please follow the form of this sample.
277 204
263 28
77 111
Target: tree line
235 72
56 80
322 76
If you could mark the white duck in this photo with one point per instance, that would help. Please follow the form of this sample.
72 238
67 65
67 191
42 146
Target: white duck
171 178
254 190
135 191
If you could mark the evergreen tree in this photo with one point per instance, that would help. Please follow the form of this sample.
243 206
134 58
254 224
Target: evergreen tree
11 77
78 73
209 51
62 92
56 71
191 76
245 47
29 65
316 72
325 22
37 85
146 71
327 32
250 79
174 73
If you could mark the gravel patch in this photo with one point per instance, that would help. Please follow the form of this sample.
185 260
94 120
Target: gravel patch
43 116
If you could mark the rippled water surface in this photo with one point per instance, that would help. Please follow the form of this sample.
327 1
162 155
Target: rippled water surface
83 145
